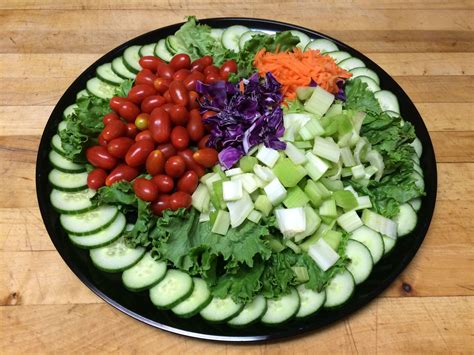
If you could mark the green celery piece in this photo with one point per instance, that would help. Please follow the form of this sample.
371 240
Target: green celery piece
275 245
263 204
295 198
288 173
332 185
301 273
218 194
290 244
328 209
345 199
221 223
212 216
313 193
303 144
335 109
247 163
328 220
333 238
217 169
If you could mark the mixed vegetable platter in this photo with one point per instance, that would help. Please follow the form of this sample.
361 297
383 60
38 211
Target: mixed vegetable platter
240 175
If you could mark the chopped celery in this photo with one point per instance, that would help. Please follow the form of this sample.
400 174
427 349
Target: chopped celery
349 221
263 173
290 244
328 220
363 202
333 238
275 192
345 199
217 195
254 216
204 217
380 223
296 155
370 170
295 198
268 156
323 254
301 273
247 163
212 216
240 209
326 149
233 172
334 110
360 150
328 209
313 193
347 157
346 172
263 204
311 129
302 144
375 159
217 169
357 120
312 223
304 92
222 223
319 101
293 123
249 183
206 177
275 245
211 180
201 198
315 166
332 185
232 190
290 221
358 172
344 125
288 173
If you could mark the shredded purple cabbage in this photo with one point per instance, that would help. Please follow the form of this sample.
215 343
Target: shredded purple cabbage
243 120
341 95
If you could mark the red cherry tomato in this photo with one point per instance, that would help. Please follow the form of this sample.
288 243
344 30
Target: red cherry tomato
139 92
180 199
179 137
152 102
100 157
175 166
96 178
193 100
161 204
167 107
211 69
113 130
180 61
207 157
122 172
161 85
138 152
198 65
212 78
145 76
203 142
190 81
160 125
165 71
109 118
208 114
167 96
188 182
155 162
207 60
129 111
191 164
179 93
145 189
150 62
167 149
116 102
101 140
181 74
179 115
228 67
164 183
118 147
131 130
195 126
144 135
142 121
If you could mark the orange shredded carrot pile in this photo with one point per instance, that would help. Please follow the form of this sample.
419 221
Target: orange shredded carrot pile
298 68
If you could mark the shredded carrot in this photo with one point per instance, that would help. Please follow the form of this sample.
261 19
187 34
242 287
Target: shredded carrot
297 68
241 86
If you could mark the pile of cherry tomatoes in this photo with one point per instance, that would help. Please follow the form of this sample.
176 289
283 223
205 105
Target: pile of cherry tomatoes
158 130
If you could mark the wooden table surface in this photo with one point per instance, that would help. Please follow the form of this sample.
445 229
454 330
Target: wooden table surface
427 46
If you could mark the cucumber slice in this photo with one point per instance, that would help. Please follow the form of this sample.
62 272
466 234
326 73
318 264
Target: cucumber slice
251 312
105 73
62 126
57 145
100 88
418 147
371 84
406 220
216 33
121 70
144 274
175 45
338 56
147 49
71 202
418 169
415 204
116 257
199 298
419 181
304 39
247 36
387 100
356 72
221 310
89 222
162 52
69 110
351 63
388 244
65 165
310 301
282 309
102 238
174 288
339 290
371 239
361 261
82 93
70 182
131 57
231 37
323 45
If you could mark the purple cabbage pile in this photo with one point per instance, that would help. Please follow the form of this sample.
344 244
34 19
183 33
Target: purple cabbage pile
244 119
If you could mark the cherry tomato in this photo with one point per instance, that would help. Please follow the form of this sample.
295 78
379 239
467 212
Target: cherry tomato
228 67
113 130
180 61
175 166
164 182
208 114
195 126
191 164
100 157
212 78
207 157
180 199
193 100
142 121
179 115
161 85
161 204
179 93
139 92
138 152
160 125
122 172
155 163
145 189
150 62
145 76
129 111
118 147
96 178
188 182
101 140
198 65
109 118
144 135
165 71
203 142
131 130
167 97
190 81
116 102
211 69
207 60
152 102
179 137
181 74
167 149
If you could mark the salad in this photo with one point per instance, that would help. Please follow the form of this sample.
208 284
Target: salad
236 174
